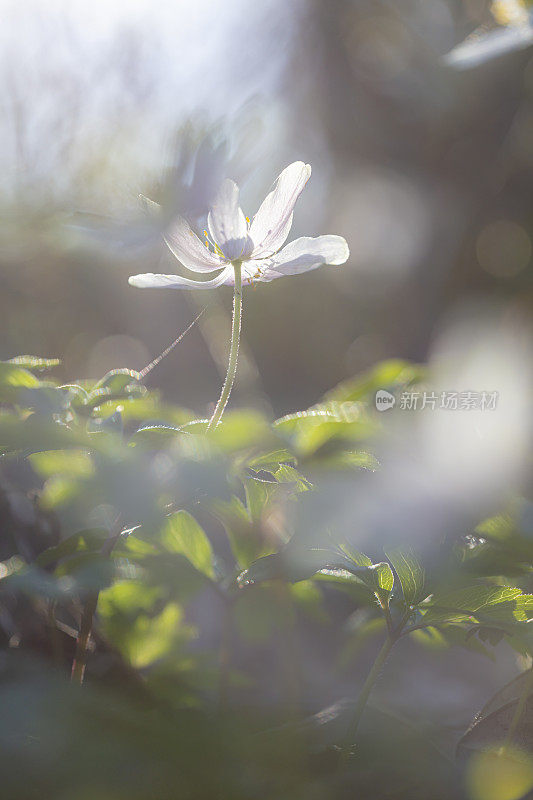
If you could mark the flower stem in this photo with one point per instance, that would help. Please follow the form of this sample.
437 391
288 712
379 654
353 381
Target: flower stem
234 349
393 634
369 685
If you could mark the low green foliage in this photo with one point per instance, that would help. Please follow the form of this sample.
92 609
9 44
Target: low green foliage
198 551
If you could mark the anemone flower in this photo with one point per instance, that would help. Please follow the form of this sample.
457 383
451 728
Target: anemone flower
244 252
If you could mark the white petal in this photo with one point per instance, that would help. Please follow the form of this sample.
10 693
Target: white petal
151 281
187 247
227 223
490 45
149 206
303 255
272 223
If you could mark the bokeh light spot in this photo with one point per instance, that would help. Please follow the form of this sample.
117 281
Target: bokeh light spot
495 775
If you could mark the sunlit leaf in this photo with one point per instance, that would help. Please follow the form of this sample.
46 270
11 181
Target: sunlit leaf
389 375
15 376
501 605
117 380
410 573
327 422
242 429
127 613
75 462
287 474
182 534
271 461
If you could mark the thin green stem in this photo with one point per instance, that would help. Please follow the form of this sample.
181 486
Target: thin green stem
386 613
234 348
368 686
393 634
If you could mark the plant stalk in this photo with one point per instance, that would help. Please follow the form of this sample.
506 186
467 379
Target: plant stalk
88 612
84 635
234 348
368 686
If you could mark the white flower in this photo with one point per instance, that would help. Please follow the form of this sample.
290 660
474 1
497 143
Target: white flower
256 245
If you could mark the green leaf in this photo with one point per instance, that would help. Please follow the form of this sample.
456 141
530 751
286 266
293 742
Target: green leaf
154 637
296 563
474 598
59 490
292 565
126 611
388 375
258 495
490 604
358 558
272 460
378 577
83 541
410 574
117 380
75 462
147 409
288 474
16 376
34 362
15 383
512 690
498 528
35 435
327 422
155 435
384 576
182 534
242 429
246 545
347 582
244 524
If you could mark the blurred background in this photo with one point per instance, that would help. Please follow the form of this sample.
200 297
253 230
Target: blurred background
423 165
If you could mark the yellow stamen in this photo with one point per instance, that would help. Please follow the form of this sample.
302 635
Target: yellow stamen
252 278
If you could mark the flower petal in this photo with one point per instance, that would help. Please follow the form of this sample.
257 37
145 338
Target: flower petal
227 223
187 247
272 223
302 255
151 281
